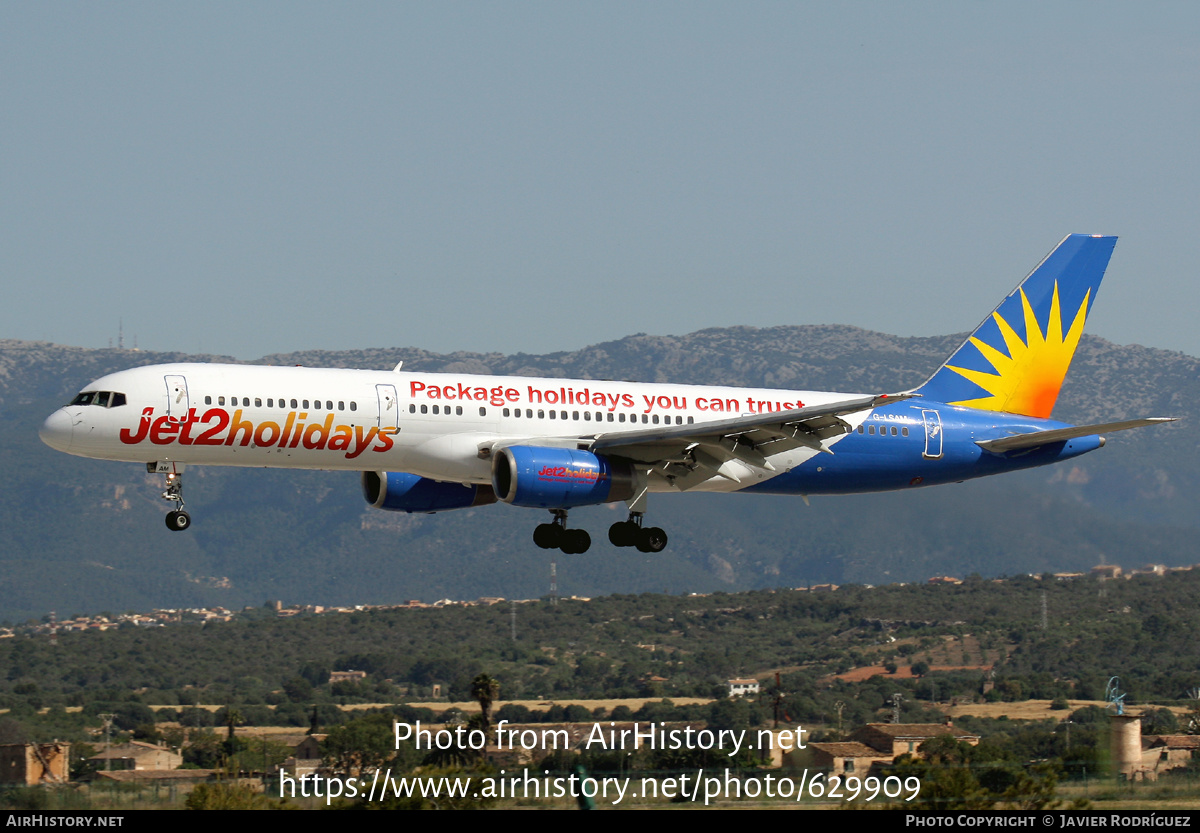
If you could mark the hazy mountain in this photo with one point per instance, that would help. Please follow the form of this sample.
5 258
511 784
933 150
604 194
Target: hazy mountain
81 535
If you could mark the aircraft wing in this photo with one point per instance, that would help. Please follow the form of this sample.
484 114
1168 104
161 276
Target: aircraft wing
1035 438
704 449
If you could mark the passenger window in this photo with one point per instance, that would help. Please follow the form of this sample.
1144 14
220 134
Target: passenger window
529 413
541 414
621 418
860 429
208 400
220 400
424 409
294 403
306 404
656 419
587 416
435 410
646 419
354 406
505 411
610 416
412 409
871 429
329 404
893 430
245 401
552 415
270 403
482 411
458 410
691 420
904 430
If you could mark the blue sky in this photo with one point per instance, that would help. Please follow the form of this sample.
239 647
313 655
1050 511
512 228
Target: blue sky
251 178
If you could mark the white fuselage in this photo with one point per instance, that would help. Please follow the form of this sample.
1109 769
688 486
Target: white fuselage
437 425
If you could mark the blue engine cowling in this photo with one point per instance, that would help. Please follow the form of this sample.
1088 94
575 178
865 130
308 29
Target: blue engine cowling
558 478
399 491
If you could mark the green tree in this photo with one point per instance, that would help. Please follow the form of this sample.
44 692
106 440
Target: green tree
485 690
225 796
364 744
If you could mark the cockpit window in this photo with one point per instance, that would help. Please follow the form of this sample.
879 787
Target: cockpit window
103 398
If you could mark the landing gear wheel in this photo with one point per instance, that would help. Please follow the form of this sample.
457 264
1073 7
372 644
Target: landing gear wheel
178 521
652 540
623 534
575 541
548 536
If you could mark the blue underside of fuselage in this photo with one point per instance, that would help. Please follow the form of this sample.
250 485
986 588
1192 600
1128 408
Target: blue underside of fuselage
940 448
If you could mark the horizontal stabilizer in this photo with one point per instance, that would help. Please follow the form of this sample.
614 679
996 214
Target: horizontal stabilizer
1036 438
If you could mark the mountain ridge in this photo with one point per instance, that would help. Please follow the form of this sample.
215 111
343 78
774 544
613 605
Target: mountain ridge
308 537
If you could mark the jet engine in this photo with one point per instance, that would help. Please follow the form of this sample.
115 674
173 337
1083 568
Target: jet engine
403 492
559 478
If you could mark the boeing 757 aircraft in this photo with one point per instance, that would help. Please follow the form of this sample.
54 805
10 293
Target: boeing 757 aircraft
431 442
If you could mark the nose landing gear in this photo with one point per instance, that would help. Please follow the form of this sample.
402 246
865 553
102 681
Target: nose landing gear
177 519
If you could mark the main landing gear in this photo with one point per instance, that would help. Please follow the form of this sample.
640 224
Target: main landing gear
631 533
555 535
177 519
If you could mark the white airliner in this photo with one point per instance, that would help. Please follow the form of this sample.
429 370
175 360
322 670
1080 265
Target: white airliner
429 442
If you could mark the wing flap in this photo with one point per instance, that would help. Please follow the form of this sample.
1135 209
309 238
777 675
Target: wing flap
688 455
802 425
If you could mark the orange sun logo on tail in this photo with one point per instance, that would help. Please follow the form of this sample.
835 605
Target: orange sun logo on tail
1028 379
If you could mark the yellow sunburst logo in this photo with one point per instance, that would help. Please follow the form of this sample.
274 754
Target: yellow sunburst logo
1028 379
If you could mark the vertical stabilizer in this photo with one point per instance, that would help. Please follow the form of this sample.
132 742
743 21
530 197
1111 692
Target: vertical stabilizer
1016 360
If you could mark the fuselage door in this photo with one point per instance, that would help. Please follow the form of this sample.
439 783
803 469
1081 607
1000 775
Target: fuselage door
389 408
178 401
933 435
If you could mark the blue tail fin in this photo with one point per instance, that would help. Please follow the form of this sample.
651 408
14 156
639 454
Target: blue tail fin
1016 360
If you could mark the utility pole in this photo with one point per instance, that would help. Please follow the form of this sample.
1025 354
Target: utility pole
108 721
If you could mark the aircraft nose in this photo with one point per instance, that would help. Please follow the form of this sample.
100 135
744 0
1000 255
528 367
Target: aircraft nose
56 430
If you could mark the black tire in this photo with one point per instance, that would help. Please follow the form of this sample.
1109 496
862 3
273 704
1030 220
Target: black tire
178 521
653 539
548 536
623 534
576 541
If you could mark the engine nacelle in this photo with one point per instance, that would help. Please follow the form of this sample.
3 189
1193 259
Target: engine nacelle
559 478
399 491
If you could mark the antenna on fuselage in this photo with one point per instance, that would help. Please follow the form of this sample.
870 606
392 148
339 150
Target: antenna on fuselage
399 365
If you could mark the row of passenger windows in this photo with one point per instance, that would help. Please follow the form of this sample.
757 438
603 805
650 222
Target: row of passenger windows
102 398
883 429
586 416
444 409
647 419
283 403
